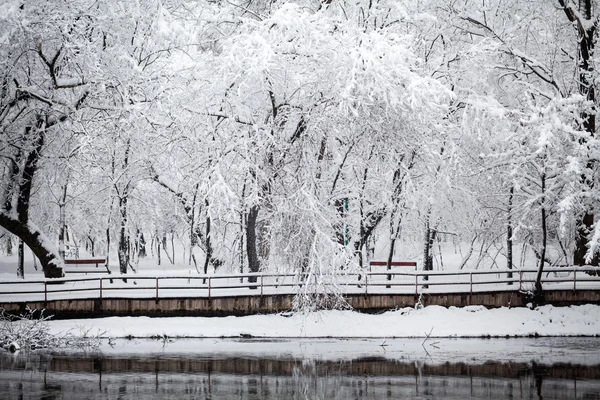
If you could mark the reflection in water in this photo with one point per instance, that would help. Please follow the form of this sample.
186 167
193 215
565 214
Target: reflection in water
182 375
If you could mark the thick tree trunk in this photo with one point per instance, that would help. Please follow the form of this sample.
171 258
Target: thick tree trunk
243 223
584 227
21 226
251 248
586 29
587 88
37 136
38 243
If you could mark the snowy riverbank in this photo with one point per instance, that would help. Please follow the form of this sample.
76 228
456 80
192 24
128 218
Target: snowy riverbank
435 321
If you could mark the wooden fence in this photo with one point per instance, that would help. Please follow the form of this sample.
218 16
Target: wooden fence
264 284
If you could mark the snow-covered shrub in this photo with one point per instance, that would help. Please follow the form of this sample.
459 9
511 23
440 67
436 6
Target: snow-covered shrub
30 331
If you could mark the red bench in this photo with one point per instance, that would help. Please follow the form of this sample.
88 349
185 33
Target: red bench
395 264
412 264
89 261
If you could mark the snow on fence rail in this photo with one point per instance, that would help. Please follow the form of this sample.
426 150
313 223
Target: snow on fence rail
207 286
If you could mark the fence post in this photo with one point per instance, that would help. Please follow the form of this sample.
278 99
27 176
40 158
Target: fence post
416 284
261 285
157 289
574 280
470 283
366 284
520 281
209 287
100 289
45 292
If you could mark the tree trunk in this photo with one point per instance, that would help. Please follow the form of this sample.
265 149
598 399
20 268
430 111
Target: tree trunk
397 208
123 195
243 223
62 222
251 248
191 214
166 248
92 246
509 234
390 258
538 279
37 242
35 266
21 260
586 29
21 226
428 247
108 223
122 248
141 244
209 249
172 247
26 185
341 231
14 178
9 247
158 248
584 226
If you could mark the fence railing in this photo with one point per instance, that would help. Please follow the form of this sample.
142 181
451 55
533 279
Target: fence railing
261 284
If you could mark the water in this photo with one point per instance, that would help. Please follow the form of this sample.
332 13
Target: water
245 369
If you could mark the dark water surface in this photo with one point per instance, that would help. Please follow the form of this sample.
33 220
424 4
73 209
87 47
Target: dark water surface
543 368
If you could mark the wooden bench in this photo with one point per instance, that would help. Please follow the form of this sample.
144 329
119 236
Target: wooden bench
395 264
88 261
411 264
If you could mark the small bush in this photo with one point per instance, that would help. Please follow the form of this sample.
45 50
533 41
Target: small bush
30 331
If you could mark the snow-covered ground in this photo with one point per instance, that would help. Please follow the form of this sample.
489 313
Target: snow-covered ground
433 321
